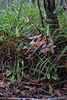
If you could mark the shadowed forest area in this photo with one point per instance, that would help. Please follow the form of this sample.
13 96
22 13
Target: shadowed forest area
33 49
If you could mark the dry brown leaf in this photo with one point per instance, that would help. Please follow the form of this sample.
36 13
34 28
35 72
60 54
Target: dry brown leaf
57 92
6 96
21 94
44 45
36 43
50 44
44 38
18 49
52 49
25 47
27 20
44 51
35 37
30 57
40 45
51 39
28 88
31 42
28 51
2 84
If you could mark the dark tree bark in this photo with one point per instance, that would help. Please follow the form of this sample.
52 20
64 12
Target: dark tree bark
49 6
40 14
61 2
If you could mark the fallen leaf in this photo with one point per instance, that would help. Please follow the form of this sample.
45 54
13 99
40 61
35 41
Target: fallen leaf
36 43
27 19
35 37
28 88
6 96
52 49
57 92
43 51
2 84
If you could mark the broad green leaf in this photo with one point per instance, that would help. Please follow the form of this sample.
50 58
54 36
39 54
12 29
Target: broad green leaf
12 82
48 76
42 78
57 11
12 78
8 67
55 77
9 73
50 20
20 46
50 88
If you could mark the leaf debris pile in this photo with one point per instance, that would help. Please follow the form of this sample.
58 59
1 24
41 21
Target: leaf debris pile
32 89
39 45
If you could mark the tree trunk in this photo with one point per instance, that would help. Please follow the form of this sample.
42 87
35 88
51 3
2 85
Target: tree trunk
61 2
40 14
56 2
49 6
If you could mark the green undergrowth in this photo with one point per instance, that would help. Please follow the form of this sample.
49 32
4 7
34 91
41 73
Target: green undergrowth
20 20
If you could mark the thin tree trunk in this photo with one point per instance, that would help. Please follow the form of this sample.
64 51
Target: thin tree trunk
40 14
33 1
57 2
66 2
49 6
61 2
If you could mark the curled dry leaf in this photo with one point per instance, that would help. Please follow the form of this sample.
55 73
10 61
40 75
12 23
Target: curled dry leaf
36 43
2 84
39 44
44 38
30 49
31 42
44 45
44 51
52 49
18 49
28 88
27 19
35 37
30 56
25 47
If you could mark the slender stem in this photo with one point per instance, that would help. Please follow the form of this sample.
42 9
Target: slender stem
40 14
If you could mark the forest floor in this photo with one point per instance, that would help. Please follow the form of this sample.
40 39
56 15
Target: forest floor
31 89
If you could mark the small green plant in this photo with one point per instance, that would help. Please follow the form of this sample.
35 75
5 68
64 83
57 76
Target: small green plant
15 74
47 68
